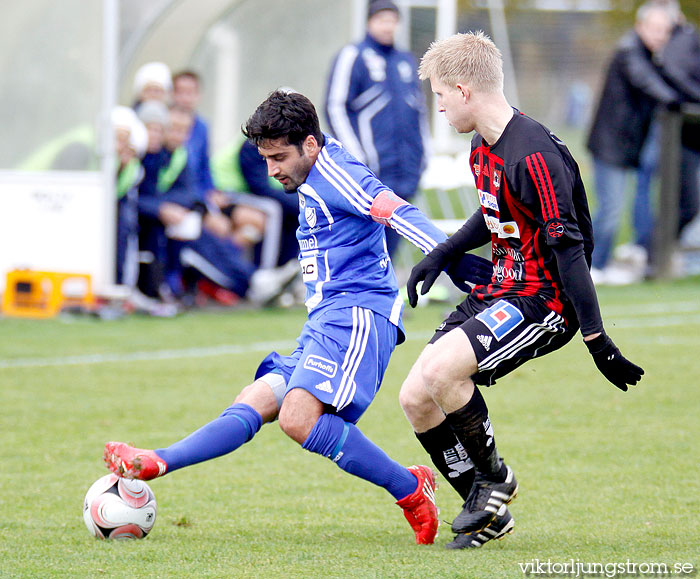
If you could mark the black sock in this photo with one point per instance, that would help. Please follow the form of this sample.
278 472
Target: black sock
472 428
449 457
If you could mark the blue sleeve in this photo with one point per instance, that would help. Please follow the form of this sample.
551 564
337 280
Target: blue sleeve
189 192
148 201
344 84
185 190
149 205
205 180
198 148
183 196
352 187
206 183
411 223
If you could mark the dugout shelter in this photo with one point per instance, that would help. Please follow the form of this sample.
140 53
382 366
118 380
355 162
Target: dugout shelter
66 64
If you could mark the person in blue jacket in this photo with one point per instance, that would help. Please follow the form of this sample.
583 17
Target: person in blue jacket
186 95
375 105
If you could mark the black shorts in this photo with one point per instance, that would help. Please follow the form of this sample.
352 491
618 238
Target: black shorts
507 333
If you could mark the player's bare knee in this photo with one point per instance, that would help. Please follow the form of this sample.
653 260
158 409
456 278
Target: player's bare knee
299 412
444 369
259 396
413 396
243 394
434 374
406 399
286 423
293 425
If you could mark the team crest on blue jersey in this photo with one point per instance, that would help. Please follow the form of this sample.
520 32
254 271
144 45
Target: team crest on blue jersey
310 215
376 65
501 318
405 71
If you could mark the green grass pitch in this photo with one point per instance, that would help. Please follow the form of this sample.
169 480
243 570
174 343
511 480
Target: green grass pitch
605 477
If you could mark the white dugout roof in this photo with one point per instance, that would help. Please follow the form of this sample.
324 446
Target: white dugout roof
64 62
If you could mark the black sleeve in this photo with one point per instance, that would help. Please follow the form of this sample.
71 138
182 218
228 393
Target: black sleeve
546 186
578 286
681 62
471 235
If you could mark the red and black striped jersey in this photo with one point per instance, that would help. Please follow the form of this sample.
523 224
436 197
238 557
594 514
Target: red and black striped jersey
532 198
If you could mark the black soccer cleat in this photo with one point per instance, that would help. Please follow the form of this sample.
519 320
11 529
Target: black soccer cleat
485 499
501 525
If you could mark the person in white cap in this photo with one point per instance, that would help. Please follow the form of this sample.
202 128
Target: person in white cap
153 81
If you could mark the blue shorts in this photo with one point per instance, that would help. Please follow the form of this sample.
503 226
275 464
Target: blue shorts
340 360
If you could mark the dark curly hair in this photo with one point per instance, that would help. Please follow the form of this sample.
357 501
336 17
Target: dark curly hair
283 115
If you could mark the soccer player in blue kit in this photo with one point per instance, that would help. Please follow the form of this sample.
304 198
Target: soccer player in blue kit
321 389
534 215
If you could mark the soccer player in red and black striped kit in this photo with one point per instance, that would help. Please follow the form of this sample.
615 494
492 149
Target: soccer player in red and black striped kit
535 215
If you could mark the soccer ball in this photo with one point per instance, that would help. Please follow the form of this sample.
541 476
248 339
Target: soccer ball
119 508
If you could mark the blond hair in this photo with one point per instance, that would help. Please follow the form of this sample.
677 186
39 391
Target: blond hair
471 58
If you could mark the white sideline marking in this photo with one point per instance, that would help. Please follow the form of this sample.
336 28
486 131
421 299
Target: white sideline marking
629 323
650 309
222 350
239 349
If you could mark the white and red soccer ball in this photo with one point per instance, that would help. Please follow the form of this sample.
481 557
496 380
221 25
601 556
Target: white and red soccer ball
119 508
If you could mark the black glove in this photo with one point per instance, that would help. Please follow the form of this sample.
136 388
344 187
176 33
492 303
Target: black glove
612 364
470 268
426 270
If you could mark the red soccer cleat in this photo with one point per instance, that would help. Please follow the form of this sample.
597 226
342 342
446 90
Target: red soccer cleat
217 293
419 507
129 462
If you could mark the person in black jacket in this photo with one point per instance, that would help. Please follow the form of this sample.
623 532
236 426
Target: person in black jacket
680 67
632 90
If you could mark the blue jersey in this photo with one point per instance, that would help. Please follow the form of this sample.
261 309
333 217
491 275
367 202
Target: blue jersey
198 155
343 209
376 108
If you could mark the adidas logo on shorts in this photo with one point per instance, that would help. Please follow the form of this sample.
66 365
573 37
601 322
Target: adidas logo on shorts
485 341
325 386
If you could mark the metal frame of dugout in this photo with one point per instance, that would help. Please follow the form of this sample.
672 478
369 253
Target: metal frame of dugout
665 240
